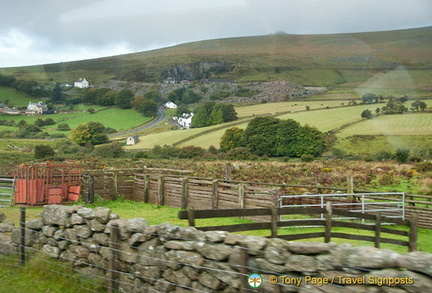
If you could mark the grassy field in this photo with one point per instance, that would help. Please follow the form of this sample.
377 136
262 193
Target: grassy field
16 98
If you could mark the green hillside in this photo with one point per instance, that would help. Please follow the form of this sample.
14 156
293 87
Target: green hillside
338 60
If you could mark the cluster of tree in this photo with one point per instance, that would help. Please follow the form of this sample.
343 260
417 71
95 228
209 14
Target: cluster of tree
90 133
274 137
30 87
211 113
184 96
124 99
393 106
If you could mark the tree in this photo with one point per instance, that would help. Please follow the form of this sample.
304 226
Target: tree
402 155
124 99
259 136
418 105
366 114
113 150
63 127
369 98
91 132
201 118
145 106
154 95
56 94
229 113
42 151
231 139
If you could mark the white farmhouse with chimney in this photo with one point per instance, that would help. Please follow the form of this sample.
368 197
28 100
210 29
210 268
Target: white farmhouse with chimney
81 83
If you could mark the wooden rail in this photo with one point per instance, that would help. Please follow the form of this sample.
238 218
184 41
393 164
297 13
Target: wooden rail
328 223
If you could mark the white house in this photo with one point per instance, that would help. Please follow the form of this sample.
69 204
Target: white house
36 108
81 83
169 80
170 105
184 121
131 140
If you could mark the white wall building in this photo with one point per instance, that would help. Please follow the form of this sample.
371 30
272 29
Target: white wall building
81 83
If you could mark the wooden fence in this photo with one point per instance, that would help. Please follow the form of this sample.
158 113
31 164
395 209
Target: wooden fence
176 188
328 223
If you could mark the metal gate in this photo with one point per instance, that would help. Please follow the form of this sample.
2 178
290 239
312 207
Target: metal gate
391 205
7 189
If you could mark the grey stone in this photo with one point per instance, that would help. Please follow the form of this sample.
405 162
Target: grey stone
70 234
96 226
128 254
371 257
79 250
30 238
35 224
223 272
2 217
101 238
148 274
177 258
180 245
276 251
90 243
6 245
59 234
76 219
234 239
310 247
86 213
218 252
254 244
156 256
68 256
137 225
123 231
301 263
72 209
210 281
190 272
91 273
6 227
49 230
63 244
215 236
181 278
163 286
168 232
51 250
83 231
97 260
55 215
417 261
102 214
270 267
136 239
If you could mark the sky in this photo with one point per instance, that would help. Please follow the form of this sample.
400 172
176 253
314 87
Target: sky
50 31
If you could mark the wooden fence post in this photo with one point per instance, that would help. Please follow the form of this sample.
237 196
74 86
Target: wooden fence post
228 171
350 187
274 220
112 265
161 190
146 188
377 230
191 217
23 235
215 194
243 259
184 193
413 231
241 196
115 178
90 195
328 222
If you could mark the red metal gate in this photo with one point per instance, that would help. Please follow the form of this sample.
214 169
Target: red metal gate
47 183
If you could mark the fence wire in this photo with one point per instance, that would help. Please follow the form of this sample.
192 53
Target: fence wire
37 259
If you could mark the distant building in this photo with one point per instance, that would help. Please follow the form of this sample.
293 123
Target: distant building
170 105
184 121
38 108
131 140
81 83
169 80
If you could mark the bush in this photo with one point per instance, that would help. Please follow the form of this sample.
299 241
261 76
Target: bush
63 127
424 167
41 151
402 155
307 158
113 150
240 153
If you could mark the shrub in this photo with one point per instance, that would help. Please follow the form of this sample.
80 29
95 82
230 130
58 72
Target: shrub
41 151
113 150
240 153
307 158
63 127
402 155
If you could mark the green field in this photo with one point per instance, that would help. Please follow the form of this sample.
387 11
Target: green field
16 98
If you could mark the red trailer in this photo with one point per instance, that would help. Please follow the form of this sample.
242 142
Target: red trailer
47 183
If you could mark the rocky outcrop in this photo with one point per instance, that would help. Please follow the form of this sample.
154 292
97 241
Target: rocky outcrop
168 258
198 70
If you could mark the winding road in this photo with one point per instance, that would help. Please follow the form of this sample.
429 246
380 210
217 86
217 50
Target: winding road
160 117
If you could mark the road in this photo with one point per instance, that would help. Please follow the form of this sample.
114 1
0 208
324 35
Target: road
160 117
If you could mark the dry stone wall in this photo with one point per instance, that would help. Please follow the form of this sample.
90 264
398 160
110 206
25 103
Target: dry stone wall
167 258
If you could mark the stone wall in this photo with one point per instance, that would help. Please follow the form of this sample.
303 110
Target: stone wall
167 258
